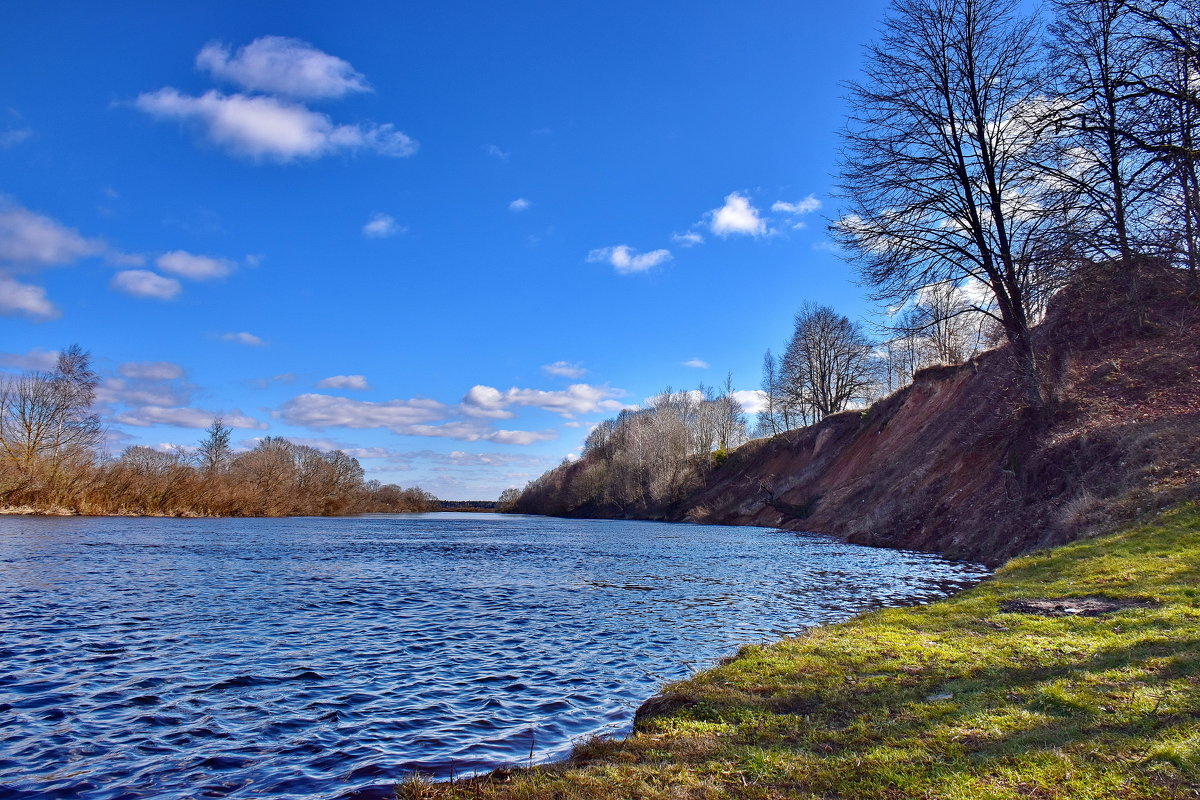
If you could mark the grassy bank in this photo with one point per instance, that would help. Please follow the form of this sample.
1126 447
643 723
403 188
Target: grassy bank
960 699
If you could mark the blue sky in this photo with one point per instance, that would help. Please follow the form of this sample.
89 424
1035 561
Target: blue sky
447 237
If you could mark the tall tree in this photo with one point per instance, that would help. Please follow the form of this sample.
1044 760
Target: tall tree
828 362
1096 58
942 173
215 451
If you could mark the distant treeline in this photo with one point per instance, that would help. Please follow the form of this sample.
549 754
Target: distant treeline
51 458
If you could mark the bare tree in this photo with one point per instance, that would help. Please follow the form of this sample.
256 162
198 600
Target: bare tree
1096 58
828 362
214 451
942 173
1169 31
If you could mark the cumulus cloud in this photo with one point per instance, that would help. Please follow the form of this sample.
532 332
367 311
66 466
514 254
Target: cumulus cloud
521 437
626 260
327 411
495 152
243 337
806 206
565 369
520 204
381 226
799 209
144 392
26 300
736 216
579 398
144 283
147 416
281 65
687 239
36 359
151 370
32 240
358 382
752 401
264 127
696 363
198 268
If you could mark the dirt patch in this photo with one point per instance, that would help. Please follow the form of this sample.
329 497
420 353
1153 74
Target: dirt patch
1092 606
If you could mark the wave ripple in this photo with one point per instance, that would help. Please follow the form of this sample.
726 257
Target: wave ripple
317 658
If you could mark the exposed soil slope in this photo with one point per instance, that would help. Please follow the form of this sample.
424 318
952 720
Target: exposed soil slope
954 463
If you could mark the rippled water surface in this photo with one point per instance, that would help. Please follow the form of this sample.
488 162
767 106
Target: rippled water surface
318 658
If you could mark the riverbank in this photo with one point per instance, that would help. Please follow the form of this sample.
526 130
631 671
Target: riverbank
1003 691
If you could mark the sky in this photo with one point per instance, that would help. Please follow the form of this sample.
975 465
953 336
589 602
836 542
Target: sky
448 237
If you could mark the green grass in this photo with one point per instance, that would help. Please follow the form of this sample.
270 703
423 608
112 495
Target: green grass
954 700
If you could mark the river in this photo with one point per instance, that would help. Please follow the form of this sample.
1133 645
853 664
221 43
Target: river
330 657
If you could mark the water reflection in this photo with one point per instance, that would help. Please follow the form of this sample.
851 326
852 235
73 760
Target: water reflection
307 658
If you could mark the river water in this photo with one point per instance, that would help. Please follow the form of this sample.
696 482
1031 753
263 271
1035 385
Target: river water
320 658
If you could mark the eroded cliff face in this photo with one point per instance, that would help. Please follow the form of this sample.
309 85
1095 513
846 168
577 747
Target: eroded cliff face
956 464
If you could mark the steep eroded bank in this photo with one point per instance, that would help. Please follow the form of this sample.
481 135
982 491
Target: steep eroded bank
955 463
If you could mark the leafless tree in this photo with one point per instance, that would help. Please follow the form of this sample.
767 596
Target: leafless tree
942 172
215 451
828 362
1169 81
1096 58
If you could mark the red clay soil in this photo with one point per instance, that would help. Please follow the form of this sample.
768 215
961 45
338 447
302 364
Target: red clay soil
956 463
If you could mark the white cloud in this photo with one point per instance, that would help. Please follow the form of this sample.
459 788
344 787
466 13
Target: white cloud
263 127
521 437
623 258
14 136
243 337
326 411
36 359
198 268
736 216
24 299
151 370
281 65
806 206
579 398
161 392
186 418
29 239
752 401
358 382
486 401
520 204
144 283
687 239
381 226
495 152
565 369
696 362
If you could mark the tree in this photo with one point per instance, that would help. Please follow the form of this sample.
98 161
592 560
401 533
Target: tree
214 451
942 173
47 417
827 364
1096 57
1169 81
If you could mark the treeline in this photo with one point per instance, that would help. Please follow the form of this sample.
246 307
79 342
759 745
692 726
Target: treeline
643 461
989 160
52 458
